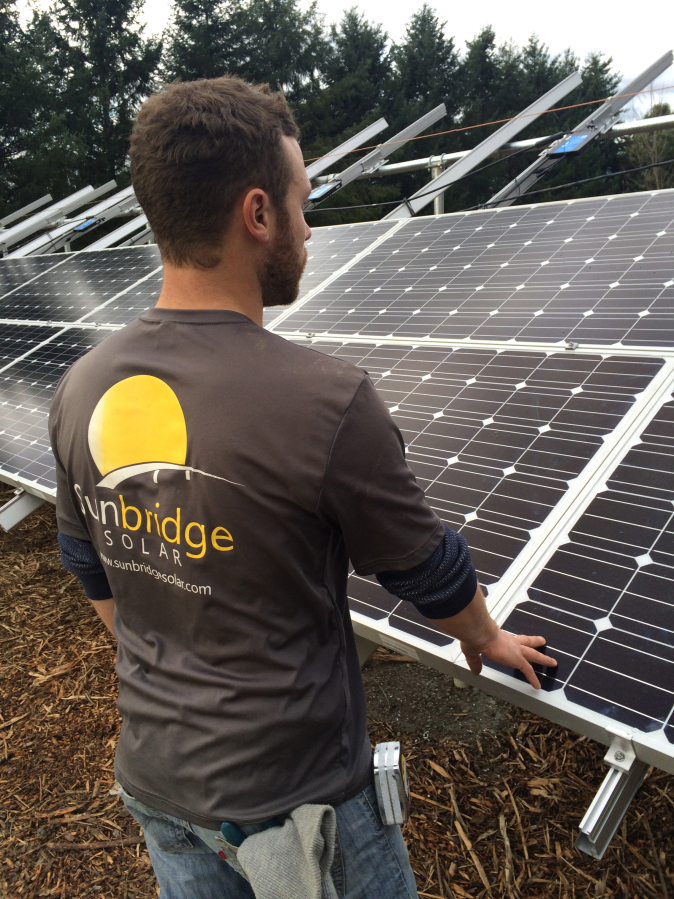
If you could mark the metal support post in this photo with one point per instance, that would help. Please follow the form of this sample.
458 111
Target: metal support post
608 807
439 201
365 648
18 508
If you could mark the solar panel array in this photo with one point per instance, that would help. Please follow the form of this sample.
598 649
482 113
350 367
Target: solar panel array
527 354
597 271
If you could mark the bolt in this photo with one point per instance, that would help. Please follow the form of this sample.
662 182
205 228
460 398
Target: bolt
619 756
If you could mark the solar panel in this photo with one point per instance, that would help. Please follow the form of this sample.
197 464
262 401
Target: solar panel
26 390
605 599
15 272
328 250
124 307
78 285
327 254
596 271
494 438
17 340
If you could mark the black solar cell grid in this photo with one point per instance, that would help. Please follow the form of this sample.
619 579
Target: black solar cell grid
605 600
80 284
14 272
328 250
599 271
26 390
129 305
494 439
15 340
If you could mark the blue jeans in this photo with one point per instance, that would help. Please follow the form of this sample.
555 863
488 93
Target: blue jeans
371 860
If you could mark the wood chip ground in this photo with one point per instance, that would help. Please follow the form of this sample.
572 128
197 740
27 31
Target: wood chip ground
493 816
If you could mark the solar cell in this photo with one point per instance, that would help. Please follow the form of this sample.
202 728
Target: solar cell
16 340
494 439
26 390
595 271
14 272
328 250
78 285
605 599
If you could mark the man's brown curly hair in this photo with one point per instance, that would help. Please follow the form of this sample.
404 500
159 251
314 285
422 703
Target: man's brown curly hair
195 149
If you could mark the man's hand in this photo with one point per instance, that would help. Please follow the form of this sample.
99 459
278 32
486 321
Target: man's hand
480 635
510 651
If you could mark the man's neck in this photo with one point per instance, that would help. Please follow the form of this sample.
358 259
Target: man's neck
226 286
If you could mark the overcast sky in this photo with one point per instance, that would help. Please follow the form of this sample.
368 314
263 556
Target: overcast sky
634 41
583 25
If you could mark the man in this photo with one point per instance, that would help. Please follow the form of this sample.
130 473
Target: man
215 479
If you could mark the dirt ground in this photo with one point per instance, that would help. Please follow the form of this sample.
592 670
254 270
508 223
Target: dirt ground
497 793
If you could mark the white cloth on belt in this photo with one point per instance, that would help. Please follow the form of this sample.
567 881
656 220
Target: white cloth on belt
293 861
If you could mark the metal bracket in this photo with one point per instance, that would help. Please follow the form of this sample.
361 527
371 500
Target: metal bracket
626 773
18 508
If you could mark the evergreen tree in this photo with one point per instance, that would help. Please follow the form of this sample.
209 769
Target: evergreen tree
480 78
17 101
355 78
357 70
427 64
603 156
204 40
356 75
96 67
281 45
645 149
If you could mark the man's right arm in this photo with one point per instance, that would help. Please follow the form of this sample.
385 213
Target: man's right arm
445 590
370 493
481 636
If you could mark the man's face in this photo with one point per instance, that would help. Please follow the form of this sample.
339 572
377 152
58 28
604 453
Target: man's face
280 272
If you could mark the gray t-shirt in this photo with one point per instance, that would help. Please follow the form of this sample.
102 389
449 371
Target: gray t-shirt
226 476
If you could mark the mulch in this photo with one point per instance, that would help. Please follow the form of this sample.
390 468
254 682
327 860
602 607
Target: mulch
494 816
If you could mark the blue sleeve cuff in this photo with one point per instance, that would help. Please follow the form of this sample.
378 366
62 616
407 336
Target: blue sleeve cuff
80 558
440 587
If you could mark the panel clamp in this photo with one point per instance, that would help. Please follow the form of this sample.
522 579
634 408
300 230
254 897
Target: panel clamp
626 773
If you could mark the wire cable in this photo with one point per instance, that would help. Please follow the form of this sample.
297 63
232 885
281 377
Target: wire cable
531 193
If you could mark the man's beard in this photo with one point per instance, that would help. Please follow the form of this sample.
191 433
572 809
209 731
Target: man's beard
281 271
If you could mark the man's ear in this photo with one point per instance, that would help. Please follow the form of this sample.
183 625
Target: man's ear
257 214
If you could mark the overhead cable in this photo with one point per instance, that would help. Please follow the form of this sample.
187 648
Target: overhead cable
531 193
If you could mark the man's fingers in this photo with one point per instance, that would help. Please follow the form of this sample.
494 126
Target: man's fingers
530 675
526 640
475 664
538 658
473 659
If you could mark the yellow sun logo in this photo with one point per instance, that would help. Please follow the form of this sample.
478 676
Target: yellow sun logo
138 420
138 426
